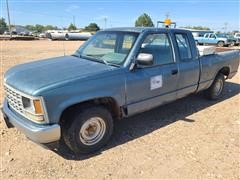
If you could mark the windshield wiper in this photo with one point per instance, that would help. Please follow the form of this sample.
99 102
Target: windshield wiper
109 64
94 58
105 62
74 55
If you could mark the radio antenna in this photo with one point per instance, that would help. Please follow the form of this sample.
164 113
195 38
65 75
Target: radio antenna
9 23
63 42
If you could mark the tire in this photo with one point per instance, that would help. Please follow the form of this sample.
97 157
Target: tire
67 37
220 44
88 130
232 43
214 92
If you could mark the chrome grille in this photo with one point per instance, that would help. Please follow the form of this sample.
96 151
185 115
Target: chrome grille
14 99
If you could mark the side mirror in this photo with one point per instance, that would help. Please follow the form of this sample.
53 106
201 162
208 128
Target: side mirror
144 59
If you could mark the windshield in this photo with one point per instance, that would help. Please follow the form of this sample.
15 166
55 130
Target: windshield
108 47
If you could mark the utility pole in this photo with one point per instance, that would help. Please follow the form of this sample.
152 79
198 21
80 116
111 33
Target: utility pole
9 24
225 27
105 22
167 15
74 21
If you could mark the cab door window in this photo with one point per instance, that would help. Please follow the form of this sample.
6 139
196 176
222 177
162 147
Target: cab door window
159 46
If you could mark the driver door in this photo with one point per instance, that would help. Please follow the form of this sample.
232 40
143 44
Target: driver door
212 39
151 86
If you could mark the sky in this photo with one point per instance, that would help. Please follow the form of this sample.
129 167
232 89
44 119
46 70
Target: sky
211 13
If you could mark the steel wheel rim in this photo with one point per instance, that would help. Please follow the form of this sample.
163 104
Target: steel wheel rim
92 131
220 44
218 87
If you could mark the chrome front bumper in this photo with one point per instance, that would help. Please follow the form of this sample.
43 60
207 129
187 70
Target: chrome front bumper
38 133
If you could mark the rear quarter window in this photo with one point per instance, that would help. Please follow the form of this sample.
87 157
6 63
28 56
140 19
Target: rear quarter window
183 46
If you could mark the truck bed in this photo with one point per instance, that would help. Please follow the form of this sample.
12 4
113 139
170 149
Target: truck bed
212 64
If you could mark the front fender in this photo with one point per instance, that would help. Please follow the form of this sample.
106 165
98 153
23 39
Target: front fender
61 98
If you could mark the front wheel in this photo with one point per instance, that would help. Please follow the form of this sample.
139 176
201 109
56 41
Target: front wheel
232 43
214 92
89 130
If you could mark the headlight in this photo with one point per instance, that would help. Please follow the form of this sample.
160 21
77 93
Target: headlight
33 109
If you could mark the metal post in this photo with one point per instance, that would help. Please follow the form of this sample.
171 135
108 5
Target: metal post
9 24
225 27
105 22
74 21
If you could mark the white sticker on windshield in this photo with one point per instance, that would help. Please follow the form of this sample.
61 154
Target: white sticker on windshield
156 82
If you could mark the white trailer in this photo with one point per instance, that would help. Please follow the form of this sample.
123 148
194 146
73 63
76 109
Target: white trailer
77 36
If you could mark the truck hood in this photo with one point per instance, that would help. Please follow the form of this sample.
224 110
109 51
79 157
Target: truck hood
33 77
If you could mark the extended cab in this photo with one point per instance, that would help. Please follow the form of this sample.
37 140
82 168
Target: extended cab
215 39
117 73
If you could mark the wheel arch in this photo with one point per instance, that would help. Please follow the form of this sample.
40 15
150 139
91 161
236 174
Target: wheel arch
108 102
225 71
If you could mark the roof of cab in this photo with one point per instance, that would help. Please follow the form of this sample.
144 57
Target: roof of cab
139 29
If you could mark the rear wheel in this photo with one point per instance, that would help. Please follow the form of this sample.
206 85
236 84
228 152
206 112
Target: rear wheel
88 130
214 92
220 44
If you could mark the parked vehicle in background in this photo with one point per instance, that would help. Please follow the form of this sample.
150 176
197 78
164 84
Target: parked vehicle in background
24 33
237 38
117 73
231 38
220 40
237 35
42 35
199 33
66 35
77 35
56 34
235 41
6 33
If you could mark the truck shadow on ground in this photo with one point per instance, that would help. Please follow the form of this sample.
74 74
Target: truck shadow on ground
147 122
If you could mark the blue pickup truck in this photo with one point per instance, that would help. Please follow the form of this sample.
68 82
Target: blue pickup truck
117 73
220 40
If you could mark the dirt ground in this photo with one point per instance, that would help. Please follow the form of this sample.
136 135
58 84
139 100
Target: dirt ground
189 138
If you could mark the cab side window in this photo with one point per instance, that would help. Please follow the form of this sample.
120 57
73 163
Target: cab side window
159 46
183 47
212 36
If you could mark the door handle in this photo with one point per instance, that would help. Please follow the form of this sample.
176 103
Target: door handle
174 71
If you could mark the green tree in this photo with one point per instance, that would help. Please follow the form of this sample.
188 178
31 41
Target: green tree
92 27
39 28
197 27
30 27
144 20
72 27
3 25
50 27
